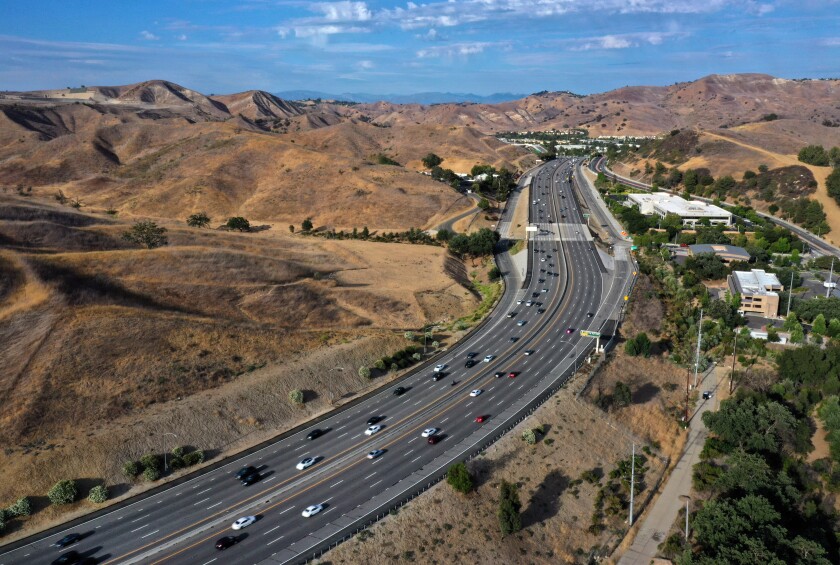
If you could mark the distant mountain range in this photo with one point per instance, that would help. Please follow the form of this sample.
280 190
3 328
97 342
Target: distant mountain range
425 98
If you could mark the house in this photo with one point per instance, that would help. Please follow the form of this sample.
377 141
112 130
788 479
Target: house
727 253
759 291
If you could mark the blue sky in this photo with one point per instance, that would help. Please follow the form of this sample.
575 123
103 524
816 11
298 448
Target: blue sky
384 47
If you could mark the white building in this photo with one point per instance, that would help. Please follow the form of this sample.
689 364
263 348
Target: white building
690 211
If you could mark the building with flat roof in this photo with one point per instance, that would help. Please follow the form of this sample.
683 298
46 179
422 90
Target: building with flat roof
759 291
727 253
691 212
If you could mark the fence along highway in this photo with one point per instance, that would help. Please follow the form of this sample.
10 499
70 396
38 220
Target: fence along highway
181 524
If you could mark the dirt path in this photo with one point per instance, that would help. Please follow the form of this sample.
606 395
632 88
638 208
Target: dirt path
832 210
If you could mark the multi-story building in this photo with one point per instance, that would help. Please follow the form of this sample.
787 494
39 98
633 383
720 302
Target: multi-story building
759 291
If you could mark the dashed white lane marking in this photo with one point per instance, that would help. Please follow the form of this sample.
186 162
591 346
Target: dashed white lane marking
208 563
149 534
271 530
336 484
412 439
286 510
342 435
140 528
376 483
416 458
274 540
406 454
201 501
369 476
215 505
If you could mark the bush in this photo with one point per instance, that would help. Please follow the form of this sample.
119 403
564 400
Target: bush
510 521
199 220
151 474
459 478
296 396
131 469
194 458
178 451
98 494
621 394
151 461
306 225
814 155
416 357
364 372
238 223
23 507
380 365
529 437
146 233
176 463
62 492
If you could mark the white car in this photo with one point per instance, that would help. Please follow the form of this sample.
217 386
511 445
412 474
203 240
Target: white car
529 352
529 303
520 323
312 510
476 392
542 259
519 302
429 432
243 522
305 463
439 368
488 358
372 430
375 453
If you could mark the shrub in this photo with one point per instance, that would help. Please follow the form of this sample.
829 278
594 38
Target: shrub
459 478
199 220
296 396
131 469
62 492
510 521
380 365
364 372
194 458
306 225
395 367
151 474
178 451
151 461
23 507
621 394
98 494
529 437
416 356
409 336
238 223
146 233
176 462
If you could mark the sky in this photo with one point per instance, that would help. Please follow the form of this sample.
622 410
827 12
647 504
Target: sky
404 47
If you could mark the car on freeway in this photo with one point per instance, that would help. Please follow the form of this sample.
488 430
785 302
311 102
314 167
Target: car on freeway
375 453
512 375
476 392
434 439
429 432
69 558
538 303
541 280
514 339
471 355
589 314
540 310
545 290
511 314
469 363
519 302
529 352
243 522
438 376
440 367
305 463
226 542
570 330
480 419
243 472
310 511
562 215
399 391
542 259
316 433
520 323
374 420
372 430
248 480
535 294
499 374
67 540
707 394
488 358
529 303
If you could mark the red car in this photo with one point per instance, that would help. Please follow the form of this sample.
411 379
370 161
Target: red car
512 375
434 439
480 419
570 330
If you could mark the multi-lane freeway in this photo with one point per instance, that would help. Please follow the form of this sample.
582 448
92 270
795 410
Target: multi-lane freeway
526 348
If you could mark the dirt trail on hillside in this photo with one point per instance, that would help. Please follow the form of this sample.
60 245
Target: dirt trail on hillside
832 210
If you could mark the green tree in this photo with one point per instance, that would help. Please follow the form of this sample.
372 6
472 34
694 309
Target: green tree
459 478
790 322
131 469
306 225
529 436
484 204
296 397
238 223
834 156
832 184
814 155
797 334
510 520
146 233
62 492
21 507
151 474
364 372
819 326
834 327
431 161
98 494
199 220
622 396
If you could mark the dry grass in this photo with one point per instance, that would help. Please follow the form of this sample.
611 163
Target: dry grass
205 336
442 527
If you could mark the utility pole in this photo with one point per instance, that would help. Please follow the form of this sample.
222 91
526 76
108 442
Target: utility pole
699 337
687 388
732 374
790 293
830 276
632 481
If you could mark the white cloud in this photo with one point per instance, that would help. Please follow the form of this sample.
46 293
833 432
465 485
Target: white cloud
456 49
182 37
148 36
325 30
830 42
623 41
364 65
344 11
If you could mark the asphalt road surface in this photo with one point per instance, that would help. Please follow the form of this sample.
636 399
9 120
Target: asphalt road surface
181 524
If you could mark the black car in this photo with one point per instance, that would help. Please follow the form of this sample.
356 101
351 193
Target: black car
469 363
535 294
245 471
514 339
439 375
69 539
498 374
374 420
314 433
226 542
69 558
589 314
248 480
399 391
540 310
471 354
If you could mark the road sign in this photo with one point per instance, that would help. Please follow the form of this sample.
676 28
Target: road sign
586 333
634 247
586 216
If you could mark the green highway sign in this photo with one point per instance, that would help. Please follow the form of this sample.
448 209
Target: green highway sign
634 247
586 333
586 216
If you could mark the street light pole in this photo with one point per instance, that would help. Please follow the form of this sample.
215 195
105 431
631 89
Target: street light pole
165 465
687 500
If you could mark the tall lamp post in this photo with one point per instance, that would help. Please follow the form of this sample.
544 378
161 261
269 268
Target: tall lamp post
165 464
687 500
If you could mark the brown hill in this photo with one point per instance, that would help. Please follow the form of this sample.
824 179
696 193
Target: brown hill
258 105
162 94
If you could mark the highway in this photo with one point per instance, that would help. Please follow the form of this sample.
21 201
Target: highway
570 289
821 246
